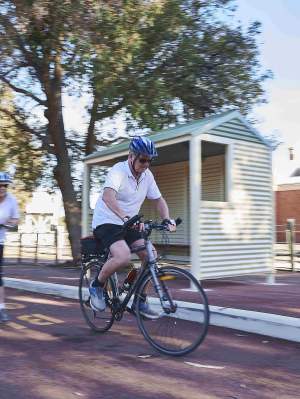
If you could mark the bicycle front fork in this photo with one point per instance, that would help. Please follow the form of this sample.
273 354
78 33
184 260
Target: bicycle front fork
166 300
160 288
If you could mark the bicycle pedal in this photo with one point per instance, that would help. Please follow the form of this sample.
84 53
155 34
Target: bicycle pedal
130 310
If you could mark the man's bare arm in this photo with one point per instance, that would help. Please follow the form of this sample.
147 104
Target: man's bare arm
163 210
109 198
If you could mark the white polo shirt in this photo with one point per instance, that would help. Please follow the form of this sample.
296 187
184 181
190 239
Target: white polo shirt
8 210
130 193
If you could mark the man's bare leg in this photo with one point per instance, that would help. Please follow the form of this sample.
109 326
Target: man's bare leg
144 307
142 254
1 295
120 257
3 314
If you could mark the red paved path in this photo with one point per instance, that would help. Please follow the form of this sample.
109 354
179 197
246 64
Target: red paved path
42 358
240 292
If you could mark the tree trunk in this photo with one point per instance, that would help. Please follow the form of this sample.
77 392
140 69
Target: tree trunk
91 139
62 171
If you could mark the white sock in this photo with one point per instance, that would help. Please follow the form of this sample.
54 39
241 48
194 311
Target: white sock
2 306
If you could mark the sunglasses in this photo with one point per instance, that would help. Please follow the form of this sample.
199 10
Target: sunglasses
4 185
145 160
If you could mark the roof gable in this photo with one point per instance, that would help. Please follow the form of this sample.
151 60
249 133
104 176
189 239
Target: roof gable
188 129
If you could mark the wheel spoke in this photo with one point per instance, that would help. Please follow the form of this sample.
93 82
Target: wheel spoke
184 329
97 321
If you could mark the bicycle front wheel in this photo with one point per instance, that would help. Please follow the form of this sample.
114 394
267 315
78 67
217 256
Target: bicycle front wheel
98 321
179 324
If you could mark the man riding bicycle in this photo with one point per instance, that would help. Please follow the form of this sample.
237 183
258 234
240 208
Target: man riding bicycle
126 187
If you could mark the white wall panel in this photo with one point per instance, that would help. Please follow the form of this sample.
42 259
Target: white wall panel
236 237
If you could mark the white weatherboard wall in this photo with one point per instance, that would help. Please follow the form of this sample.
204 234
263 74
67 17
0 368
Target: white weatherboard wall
236 237
172 180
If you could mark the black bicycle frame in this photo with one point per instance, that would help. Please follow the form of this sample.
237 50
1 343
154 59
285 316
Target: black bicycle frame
132 289
151 267
146 268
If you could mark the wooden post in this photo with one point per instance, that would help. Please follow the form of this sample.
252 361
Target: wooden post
36 248
20 248
56 246
291 240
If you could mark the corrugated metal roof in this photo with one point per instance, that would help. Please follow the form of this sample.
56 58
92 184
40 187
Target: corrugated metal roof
195 127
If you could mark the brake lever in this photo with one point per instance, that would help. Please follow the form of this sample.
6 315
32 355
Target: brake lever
178 221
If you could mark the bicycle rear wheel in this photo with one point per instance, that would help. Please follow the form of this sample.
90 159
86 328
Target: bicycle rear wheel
98 321
182 325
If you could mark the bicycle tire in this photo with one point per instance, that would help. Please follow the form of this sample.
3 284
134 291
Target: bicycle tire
97 321
181 332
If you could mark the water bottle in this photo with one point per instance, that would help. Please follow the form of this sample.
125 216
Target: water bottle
129 279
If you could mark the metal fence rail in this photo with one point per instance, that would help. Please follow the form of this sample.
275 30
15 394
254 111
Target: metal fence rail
52 247
287 246
46 247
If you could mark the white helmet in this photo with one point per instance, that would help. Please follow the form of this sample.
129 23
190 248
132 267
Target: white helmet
5 178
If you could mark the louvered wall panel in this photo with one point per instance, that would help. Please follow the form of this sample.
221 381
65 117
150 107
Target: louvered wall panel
236 239
213 178
172 180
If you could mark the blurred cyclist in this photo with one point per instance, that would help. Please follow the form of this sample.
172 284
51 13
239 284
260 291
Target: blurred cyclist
9 214
127 185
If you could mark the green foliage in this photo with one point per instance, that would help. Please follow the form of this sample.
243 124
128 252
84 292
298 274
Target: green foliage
164 61
17 148
154 62
19 153
157 62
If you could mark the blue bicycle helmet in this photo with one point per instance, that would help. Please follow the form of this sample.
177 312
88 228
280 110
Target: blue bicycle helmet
143 145
5 178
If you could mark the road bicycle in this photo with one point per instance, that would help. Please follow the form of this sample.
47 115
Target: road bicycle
174 295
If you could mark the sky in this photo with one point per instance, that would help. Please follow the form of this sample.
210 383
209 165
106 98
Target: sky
279 44
279 51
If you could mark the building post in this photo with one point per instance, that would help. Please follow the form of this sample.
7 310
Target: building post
270 278
85 229
195 201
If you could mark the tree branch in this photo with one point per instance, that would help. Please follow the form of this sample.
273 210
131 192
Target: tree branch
112 110
28 55
15 67
24 126
22 91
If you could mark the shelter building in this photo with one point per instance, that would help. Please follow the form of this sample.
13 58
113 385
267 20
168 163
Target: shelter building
216 174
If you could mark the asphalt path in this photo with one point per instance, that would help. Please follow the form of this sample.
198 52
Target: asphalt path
47 352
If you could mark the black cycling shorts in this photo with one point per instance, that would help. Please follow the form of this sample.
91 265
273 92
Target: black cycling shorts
109 233
1 260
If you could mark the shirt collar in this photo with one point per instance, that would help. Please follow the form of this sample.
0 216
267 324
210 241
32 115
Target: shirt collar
130 174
